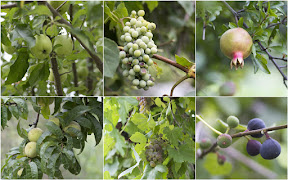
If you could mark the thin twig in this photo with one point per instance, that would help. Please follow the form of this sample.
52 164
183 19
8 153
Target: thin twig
283 21
9 6
177 83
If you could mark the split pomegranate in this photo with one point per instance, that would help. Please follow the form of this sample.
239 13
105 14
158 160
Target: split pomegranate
236 44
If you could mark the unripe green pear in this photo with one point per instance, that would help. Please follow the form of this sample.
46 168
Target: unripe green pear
55 121
43 47
56 4
8 49
63 77
66 45
19 173
30 149
34 134
73 124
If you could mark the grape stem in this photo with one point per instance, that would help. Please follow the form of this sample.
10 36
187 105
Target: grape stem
166 60
178 82
208 125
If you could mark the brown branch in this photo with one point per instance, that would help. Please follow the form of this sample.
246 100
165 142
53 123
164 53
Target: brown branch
166 60
97 60
9 6
56 74
90 82
36 122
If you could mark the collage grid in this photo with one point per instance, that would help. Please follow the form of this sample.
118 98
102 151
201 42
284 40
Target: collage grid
144 90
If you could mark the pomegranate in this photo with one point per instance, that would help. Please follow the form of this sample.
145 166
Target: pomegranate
236 44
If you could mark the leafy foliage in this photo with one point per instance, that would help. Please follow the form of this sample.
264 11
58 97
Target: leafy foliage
136 131
55 147
24 21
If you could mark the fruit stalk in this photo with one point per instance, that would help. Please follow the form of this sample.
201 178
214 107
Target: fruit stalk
208 125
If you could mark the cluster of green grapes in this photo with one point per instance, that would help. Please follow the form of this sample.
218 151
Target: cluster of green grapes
138 50
154 151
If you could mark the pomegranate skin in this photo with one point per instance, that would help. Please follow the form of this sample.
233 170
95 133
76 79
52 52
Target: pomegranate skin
236 44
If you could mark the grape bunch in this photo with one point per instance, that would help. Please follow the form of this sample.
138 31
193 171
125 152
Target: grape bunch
154 151
138 50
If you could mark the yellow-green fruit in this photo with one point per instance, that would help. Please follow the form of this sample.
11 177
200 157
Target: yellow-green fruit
20 172
34 134
83 72
43 47
56 4
30 149
8 49
66 45
43 101
63 77
55 121
73 124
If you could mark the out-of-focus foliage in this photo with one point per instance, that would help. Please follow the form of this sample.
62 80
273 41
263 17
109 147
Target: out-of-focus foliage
240 165
259 77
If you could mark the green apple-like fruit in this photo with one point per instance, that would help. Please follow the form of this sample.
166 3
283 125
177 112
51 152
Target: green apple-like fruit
55 121
30 149
66 45
56 4
8 49
63 77
45 101
34 134
19 173
73 124
43 47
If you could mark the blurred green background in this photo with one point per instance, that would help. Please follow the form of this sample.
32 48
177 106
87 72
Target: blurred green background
240 165
213 68
174 34
91 159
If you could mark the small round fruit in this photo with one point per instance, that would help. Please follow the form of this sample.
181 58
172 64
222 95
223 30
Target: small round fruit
73 124
136 68
270 149
43 46
150 83
137 53
151 26
205 143
125 73
141 13
66 45
142 83
135 82
122 54
224 140
30 149
152 164
227 89
255 124
253 147
19 173
55 121
221 159
232 121
34 134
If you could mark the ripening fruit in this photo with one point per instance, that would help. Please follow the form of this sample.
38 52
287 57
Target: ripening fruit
43 47
255 124
224 140
205 143
221 159
227 89
19 173
74 125
152 164
236 44
66 45
270 149
232 121
141 13
55 121
253 147
34 134
30 149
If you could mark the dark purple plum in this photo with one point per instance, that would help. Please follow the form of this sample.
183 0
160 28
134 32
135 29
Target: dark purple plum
253 147
255 124
270 149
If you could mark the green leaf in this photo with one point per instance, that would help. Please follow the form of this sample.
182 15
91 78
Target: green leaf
20 66
4 37
153 4
129 170
34 170
183 61
75 113
232 25
40 10
23 31
240 22
173 135
54 129
4 116
184 152
212 166
111 55
15 111
260 62
39 72
140 120
138 137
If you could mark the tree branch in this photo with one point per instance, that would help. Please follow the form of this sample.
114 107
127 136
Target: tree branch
97 60
275 24
56 74
36 122
9 6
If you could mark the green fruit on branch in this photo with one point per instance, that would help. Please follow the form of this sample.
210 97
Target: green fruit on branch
34 134
74 125
56 4
55 121
236 44
232 121
19 173
224 140
44 101
205 143
30 149
9 49
227 89
66 45
43 47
